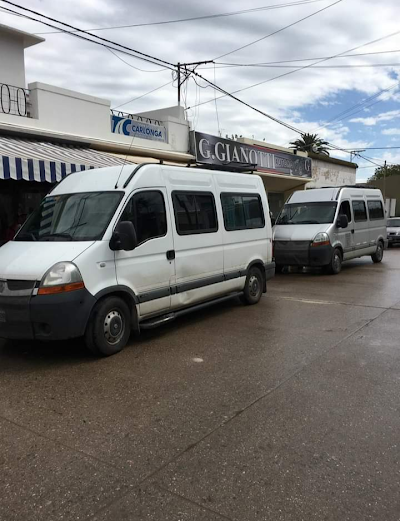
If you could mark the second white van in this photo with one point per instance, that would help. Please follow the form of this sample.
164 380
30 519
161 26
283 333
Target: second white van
326 226
124 248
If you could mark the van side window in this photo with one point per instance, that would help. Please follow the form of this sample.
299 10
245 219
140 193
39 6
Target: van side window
194 212
146 210
359 210
242 211
375 210
345 210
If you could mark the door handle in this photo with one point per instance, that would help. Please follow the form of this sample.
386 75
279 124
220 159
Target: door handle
170 255
352 231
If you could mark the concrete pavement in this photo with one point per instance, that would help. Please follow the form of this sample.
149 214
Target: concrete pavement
287 410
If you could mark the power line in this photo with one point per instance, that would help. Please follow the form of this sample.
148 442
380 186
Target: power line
143 95
373 148
323 66
226 65
196 18
276 32
142 55
302 68
130 65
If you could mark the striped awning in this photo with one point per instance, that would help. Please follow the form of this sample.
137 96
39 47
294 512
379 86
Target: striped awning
24 159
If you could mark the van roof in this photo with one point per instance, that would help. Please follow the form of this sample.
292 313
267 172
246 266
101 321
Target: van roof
118 177
331 193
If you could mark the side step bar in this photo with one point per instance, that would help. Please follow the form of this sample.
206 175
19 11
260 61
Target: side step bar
152 323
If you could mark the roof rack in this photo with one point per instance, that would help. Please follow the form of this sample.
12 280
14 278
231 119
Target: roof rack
350 186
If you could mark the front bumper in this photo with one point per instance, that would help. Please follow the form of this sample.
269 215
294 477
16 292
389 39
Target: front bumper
393 239
301 253
45 317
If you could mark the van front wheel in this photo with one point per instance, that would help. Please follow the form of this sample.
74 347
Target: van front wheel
335 265
254 287
378 255
109 327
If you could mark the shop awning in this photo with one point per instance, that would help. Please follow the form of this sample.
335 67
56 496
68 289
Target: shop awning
24 159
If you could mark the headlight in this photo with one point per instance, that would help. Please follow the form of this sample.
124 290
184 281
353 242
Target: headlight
60 278
321 239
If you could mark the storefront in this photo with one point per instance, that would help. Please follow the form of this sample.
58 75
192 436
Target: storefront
282 170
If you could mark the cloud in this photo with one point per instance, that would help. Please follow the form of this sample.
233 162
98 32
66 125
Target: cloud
373 120
391 132
304 98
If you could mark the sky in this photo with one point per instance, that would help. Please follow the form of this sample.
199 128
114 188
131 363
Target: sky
351 107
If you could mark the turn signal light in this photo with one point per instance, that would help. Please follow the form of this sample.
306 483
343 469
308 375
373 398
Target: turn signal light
62 288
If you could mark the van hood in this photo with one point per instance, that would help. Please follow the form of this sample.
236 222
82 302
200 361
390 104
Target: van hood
298 232
393 229
21 260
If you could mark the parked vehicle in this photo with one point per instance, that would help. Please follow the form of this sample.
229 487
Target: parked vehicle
393 231
122 248
326 226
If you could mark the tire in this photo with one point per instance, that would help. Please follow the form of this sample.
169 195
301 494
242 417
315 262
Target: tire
335 265
279 268
253 288
378 255
109 327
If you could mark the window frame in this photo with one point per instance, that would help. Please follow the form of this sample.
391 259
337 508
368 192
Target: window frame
350 208
194 192
243 194
369 213
354 213
165 210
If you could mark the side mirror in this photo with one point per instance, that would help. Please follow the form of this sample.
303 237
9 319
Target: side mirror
342 221
124 237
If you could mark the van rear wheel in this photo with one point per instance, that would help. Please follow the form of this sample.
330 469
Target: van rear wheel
109 327
378 255
253 288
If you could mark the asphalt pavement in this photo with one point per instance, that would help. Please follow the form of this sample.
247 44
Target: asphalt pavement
288 410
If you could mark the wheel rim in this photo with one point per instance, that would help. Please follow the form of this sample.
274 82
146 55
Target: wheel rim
254 286
114 327
336 262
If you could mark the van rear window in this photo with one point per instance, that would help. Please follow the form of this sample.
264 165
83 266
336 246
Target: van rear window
375 210
194 212
242 211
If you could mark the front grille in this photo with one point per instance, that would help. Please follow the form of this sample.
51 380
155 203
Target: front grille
18 285
16 288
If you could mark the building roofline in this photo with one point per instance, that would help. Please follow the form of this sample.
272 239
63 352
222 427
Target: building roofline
334 160
27 38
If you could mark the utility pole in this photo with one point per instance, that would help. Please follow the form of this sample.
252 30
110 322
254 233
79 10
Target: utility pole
179 84
384 184
186 74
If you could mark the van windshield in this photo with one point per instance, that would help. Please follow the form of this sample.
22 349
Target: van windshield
393 223
71 217
308 213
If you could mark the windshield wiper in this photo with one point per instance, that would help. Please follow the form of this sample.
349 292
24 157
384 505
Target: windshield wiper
308 222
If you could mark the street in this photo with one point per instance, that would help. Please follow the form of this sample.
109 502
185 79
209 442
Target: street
287 410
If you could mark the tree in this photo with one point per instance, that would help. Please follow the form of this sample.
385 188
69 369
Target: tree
380 172
310 143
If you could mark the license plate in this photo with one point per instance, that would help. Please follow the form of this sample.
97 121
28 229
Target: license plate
2 316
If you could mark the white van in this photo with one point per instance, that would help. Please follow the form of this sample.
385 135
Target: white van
326 226
123 248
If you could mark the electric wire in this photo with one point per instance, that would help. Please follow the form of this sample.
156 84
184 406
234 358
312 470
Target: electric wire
143 95
277 31
198 18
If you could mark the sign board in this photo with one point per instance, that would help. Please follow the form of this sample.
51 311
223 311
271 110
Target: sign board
136 128
213 150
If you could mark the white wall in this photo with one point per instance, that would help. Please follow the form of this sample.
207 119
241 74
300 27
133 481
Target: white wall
72 115
12 65
331 174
